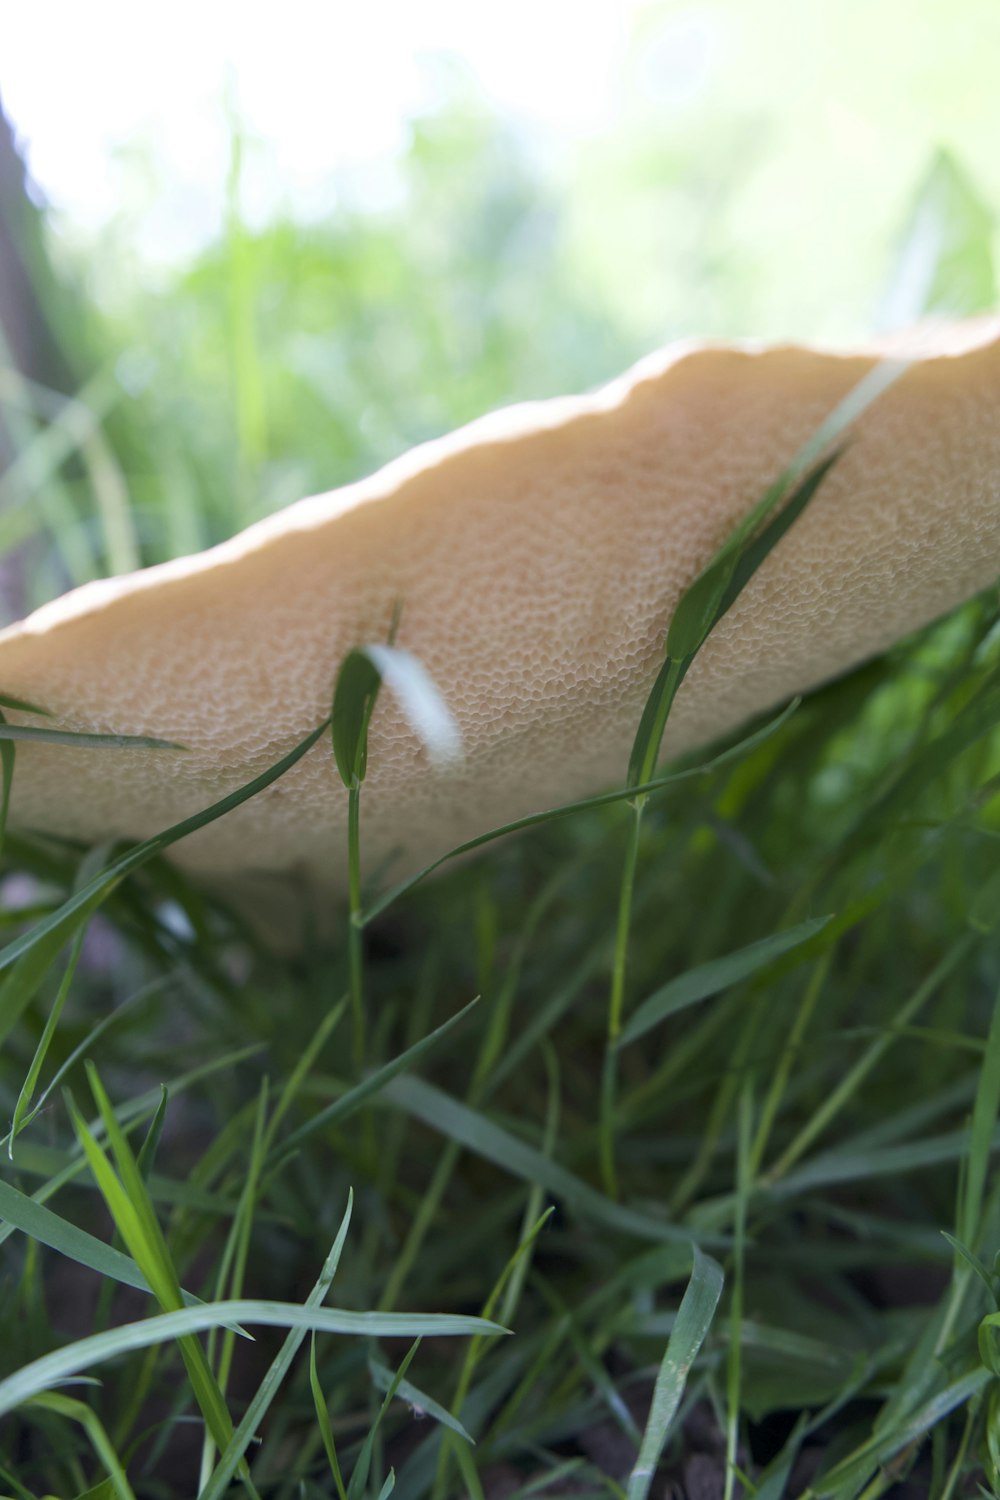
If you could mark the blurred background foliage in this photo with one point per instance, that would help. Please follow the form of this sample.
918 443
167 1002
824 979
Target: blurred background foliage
816 188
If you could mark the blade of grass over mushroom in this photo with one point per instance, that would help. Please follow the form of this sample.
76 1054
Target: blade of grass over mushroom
72 1359
700 608
64 921
355 695
23 707
572 809
719 584
718 974
708 599
694 1318
74 739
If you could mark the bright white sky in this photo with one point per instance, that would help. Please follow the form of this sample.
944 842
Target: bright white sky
328 84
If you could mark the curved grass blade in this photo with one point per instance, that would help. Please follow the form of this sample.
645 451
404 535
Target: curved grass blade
753 555
358 1481
70 1360
382 1379
704 603
570 809
79 1411
49 1228
717 587
718 974
63 922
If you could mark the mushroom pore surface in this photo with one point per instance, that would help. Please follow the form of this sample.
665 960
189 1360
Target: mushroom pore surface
538 555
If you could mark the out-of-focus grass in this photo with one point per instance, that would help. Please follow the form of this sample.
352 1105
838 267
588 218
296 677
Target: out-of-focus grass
815 1115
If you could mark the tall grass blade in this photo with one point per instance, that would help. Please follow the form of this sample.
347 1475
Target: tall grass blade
694 1318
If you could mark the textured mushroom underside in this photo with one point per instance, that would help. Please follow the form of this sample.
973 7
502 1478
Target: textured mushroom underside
538 555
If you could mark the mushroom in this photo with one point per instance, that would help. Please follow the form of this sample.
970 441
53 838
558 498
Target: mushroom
538 555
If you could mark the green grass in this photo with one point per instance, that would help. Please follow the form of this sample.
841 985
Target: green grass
693 1087
812 973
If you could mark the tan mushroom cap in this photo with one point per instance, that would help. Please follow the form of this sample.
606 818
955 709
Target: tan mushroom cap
538 554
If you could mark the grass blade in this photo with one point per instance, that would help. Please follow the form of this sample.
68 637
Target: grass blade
718 974
48 1228
323 1422
355 694
478 1134
135 1219
258 1406
63 923
347 1104
83 741
694 1318
62 1364
984 1122
572 809
78 1411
